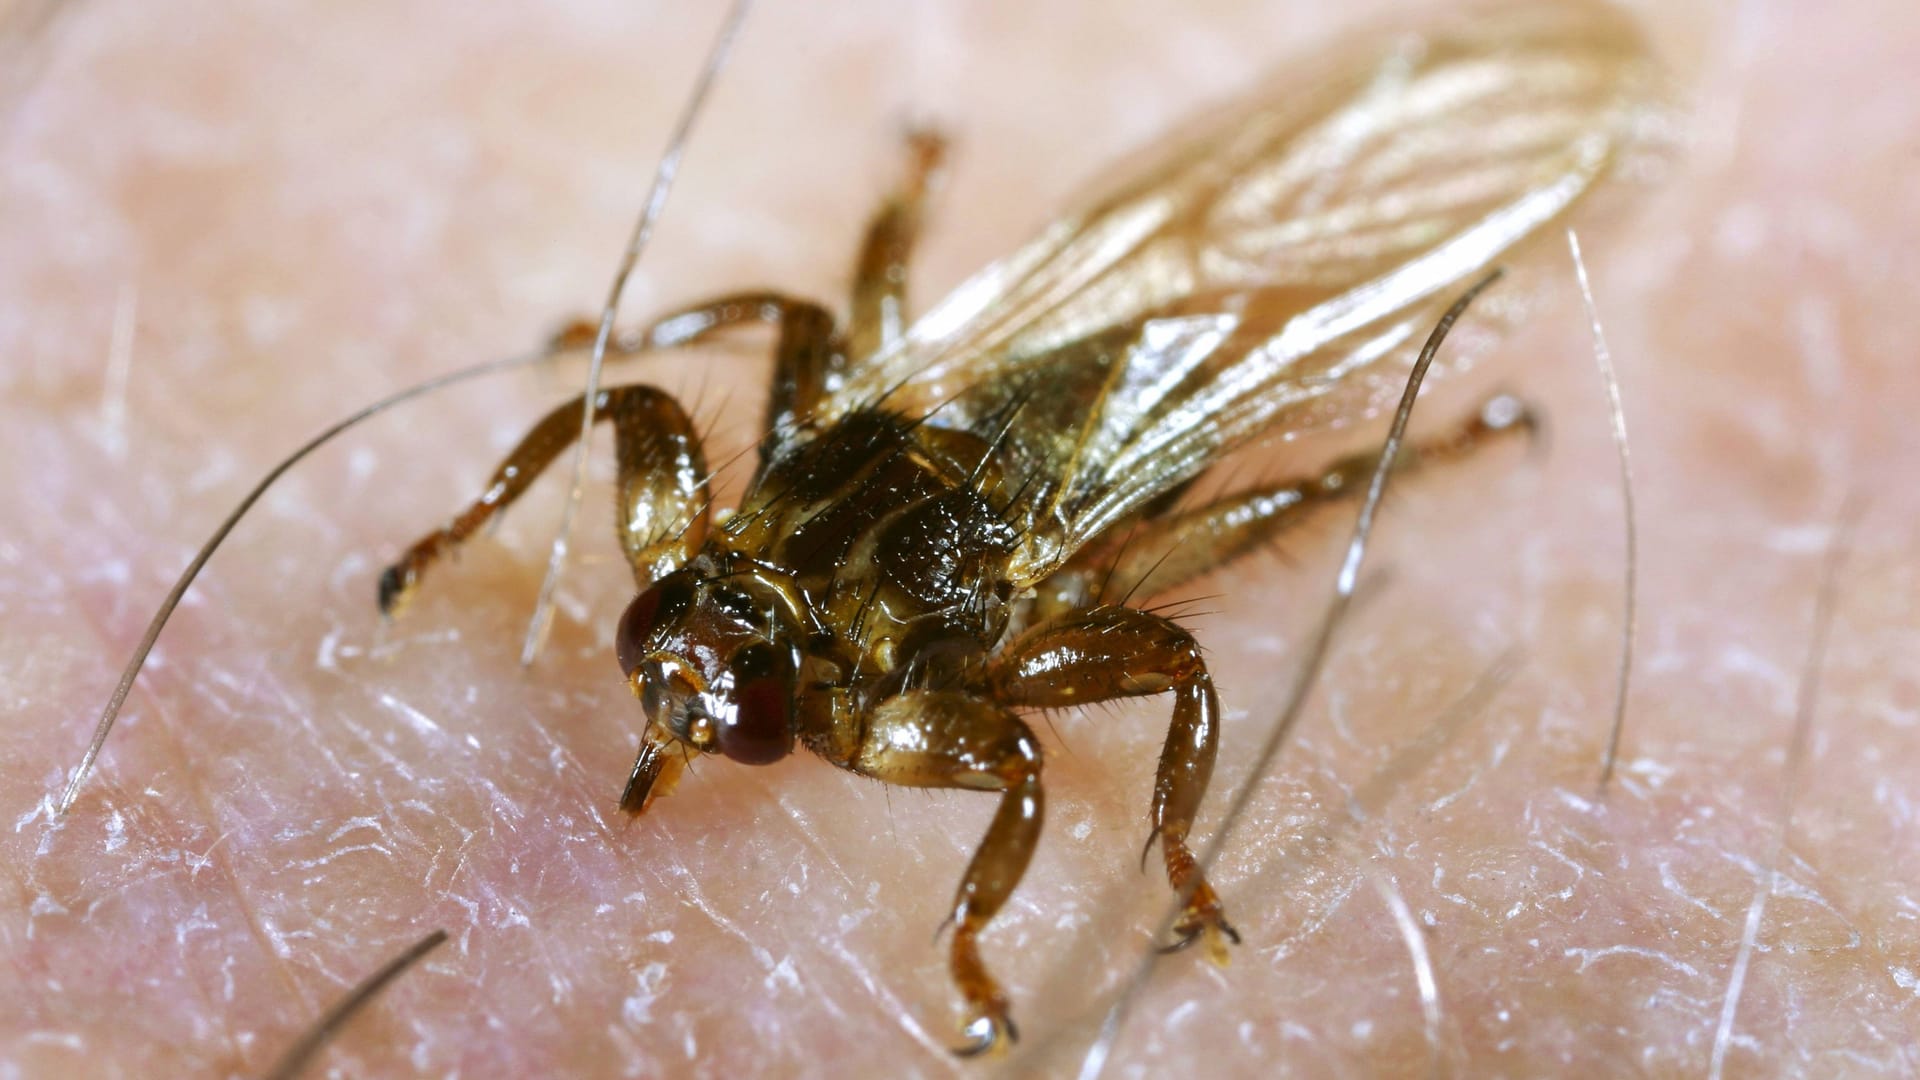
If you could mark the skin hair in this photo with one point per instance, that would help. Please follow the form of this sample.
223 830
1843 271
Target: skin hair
291 210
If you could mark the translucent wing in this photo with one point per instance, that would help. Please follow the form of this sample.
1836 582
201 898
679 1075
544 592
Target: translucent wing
1274 271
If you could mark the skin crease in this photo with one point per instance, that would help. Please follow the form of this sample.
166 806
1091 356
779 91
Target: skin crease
298 208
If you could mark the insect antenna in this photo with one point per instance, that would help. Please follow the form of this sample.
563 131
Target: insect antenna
602 348
104 726
663 177
1836 559
301 1054
1603 359
1094 1063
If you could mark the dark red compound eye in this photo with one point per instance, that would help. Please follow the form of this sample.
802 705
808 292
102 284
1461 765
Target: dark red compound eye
653 608
760 729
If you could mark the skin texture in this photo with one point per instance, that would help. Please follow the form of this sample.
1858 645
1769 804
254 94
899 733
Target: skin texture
297 208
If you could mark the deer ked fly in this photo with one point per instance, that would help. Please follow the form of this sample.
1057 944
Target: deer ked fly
950 516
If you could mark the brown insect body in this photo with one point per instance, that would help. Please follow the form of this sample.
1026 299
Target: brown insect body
932 541
874 546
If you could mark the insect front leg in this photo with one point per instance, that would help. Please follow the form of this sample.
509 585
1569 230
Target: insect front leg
879 309
950 739
662 487
1110 652
1172 550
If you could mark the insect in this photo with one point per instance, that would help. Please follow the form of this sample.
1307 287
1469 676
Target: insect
950 517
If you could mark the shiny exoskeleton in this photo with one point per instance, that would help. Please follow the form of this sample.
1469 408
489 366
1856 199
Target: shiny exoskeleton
949 519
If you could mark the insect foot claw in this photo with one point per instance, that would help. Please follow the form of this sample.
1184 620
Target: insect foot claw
1179 941
991 1032
396 587
1204 920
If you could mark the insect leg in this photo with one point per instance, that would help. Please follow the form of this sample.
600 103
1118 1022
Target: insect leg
1109 652
879 311
949 739
807 356
663 475
1171 551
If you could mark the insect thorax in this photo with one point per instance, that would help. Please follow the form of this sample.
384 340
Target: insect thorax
892 533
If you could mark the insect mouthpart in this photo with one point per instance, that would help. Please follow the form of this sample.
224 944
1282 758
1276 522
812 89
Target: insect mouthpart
655 771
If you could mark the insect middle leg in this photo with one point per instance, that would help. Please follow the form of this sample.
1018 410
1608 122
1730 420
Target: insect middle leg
951 739
1170 551
662 487
1102 653
878 314
808 355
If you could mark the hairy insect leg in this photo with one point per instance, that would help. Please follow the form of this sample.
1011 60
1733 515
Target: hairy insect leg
1110 652
1169 552
879 310
662 487
949 739
808 356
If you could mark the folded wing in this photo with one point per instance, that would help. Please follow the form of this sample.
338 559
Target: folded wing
1275 270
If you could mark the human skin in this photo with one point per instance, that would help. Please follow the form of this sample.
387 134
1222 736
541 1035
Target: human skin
298 208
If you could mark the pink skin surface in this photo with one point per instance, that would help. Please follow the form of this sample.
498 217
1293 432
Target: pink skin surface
290 210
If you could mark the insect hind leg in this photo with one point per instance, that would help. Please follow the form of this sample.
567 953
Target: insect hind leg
662 483
1177 548
1103 653
879 305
